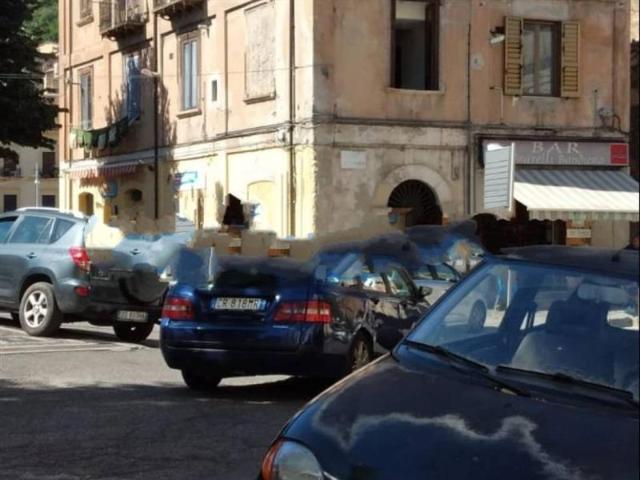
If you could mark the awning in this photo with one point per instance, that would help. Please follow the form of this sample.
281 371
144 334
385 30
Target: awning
104 170
577 195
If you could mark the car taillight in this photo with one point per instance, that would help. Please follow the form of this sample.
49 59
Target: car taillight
80 258
311 311
177 308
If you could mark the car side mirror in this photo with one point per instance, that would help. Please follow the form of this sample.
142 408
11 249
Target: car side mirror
389 337
424 292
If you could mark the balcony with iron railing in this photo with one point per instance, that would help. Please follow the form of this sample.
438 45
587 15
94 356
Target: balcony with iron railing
122 17
169 8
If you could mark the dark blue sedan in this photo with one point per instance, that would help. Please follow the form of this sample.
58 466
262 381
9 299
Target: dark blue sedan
544 387
247 316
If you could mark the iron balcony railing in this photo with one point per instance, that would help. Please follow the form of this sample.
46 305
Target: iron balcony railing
172 7
119 17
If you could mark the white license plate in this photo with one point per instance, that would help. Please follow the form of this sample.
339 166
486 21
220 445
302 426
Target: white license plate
129 316
226 303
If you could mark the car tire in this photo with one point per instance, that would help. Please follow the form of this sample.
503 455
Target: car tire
133 332
39 313
360 353
199 381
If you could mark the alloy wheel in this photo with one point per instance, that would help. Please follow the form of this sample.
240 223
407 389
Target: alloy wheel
36 309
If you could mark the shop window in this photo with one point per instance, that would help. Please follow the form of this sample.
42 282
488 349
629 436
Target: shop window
86 204
415 44
189 71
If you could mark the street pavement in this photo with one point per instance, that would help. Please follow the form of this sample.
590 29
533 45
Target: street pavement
83 405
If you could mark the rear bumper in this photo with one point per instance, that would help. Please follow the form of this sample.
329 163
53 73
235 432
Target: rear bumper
230 363
100 313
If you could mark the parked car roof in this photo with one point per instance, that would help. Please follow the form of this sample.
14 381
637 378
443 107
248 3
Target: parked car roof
605 260
53 211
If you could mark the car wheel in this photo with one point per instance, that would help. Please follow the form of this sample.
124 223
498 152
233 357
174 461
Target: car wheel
133 332
39 313
200 381
478 316
361 353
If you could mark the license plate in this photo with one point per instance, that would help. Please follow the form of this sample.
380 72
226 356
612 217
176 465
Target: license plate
226 303
136 317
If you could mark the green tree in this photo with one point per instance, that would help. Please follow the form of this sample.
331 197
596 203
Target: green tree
43 27
25 114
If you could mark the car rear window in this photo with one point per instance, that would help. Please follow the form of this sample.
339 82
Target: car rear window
60 229
32 230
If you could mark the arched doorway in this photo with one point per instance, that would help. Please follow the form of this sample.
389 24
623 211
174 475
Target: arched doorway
421 199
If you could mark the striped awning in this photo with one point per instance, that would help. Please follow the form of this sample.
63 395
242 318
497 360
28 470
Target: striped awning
577 195
103 171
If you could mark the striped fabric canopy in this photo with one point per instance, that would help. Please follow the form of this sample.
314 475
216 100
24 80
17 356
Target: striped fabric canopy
104 171
577 195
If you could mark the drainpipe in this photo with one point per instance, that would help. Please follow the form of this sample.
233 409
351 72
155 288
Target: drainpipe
156 159
292 118
469 178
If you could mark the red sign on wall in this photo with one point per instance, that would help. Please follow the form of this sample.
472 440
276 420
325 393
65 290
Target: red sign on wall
619 154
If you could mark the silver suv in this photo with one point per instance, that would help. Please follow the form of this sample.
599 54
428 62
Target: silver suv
45 276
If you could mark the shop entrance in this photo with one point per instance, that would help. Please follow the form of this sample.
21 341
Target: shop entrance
418 202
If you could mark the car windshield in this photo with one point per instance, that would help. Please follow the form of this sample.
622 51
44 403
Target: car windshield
542 319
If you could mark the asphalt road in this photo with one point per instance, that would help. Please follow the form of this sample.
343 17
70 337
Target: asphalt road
84 406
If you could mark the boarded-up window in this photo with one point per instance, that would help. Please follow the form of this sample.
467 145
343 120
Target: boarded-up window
86 99
260 52
570 80
132 87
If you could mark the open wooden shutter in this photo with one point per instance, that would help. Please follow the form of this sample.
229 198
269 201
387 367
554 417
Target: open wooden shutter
570 72
513 56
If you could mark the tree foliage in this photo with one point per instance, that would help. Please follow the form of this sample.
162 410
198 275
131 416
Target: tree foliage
25 113
43 27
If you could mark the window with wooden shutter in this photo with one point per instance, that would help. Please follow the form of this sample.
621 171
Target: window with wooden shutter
570 72
513 56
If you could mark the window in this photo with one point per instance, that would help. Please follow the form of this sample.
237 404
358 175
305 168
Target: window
10 168
5 226
260 53
540 57
85 9
189 72
10 203
132 85
49 201
32 230
415 44
61 227
49 164
398 283
86 99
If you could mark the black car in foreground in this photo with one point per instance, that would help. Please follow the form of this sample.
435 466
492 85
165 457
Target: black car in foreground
546 388
252 316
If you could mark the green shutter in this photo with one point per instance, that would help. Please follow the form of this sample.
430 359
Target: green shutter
513 56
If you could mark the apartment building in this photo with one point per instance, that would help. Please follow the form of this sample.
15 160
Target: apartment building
323 114
32 179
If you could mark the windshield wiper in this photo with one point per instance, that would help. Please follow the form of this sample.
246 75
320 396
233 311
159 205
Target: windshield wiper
562 378
477 367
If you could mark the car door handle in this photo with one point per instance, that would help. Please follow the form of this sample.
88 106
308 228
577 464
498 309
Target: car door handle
135 251
375 301
31 255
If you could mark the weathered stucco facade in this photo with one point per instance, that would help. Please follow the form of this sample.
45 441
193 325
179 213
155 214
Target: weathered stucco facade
296 107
